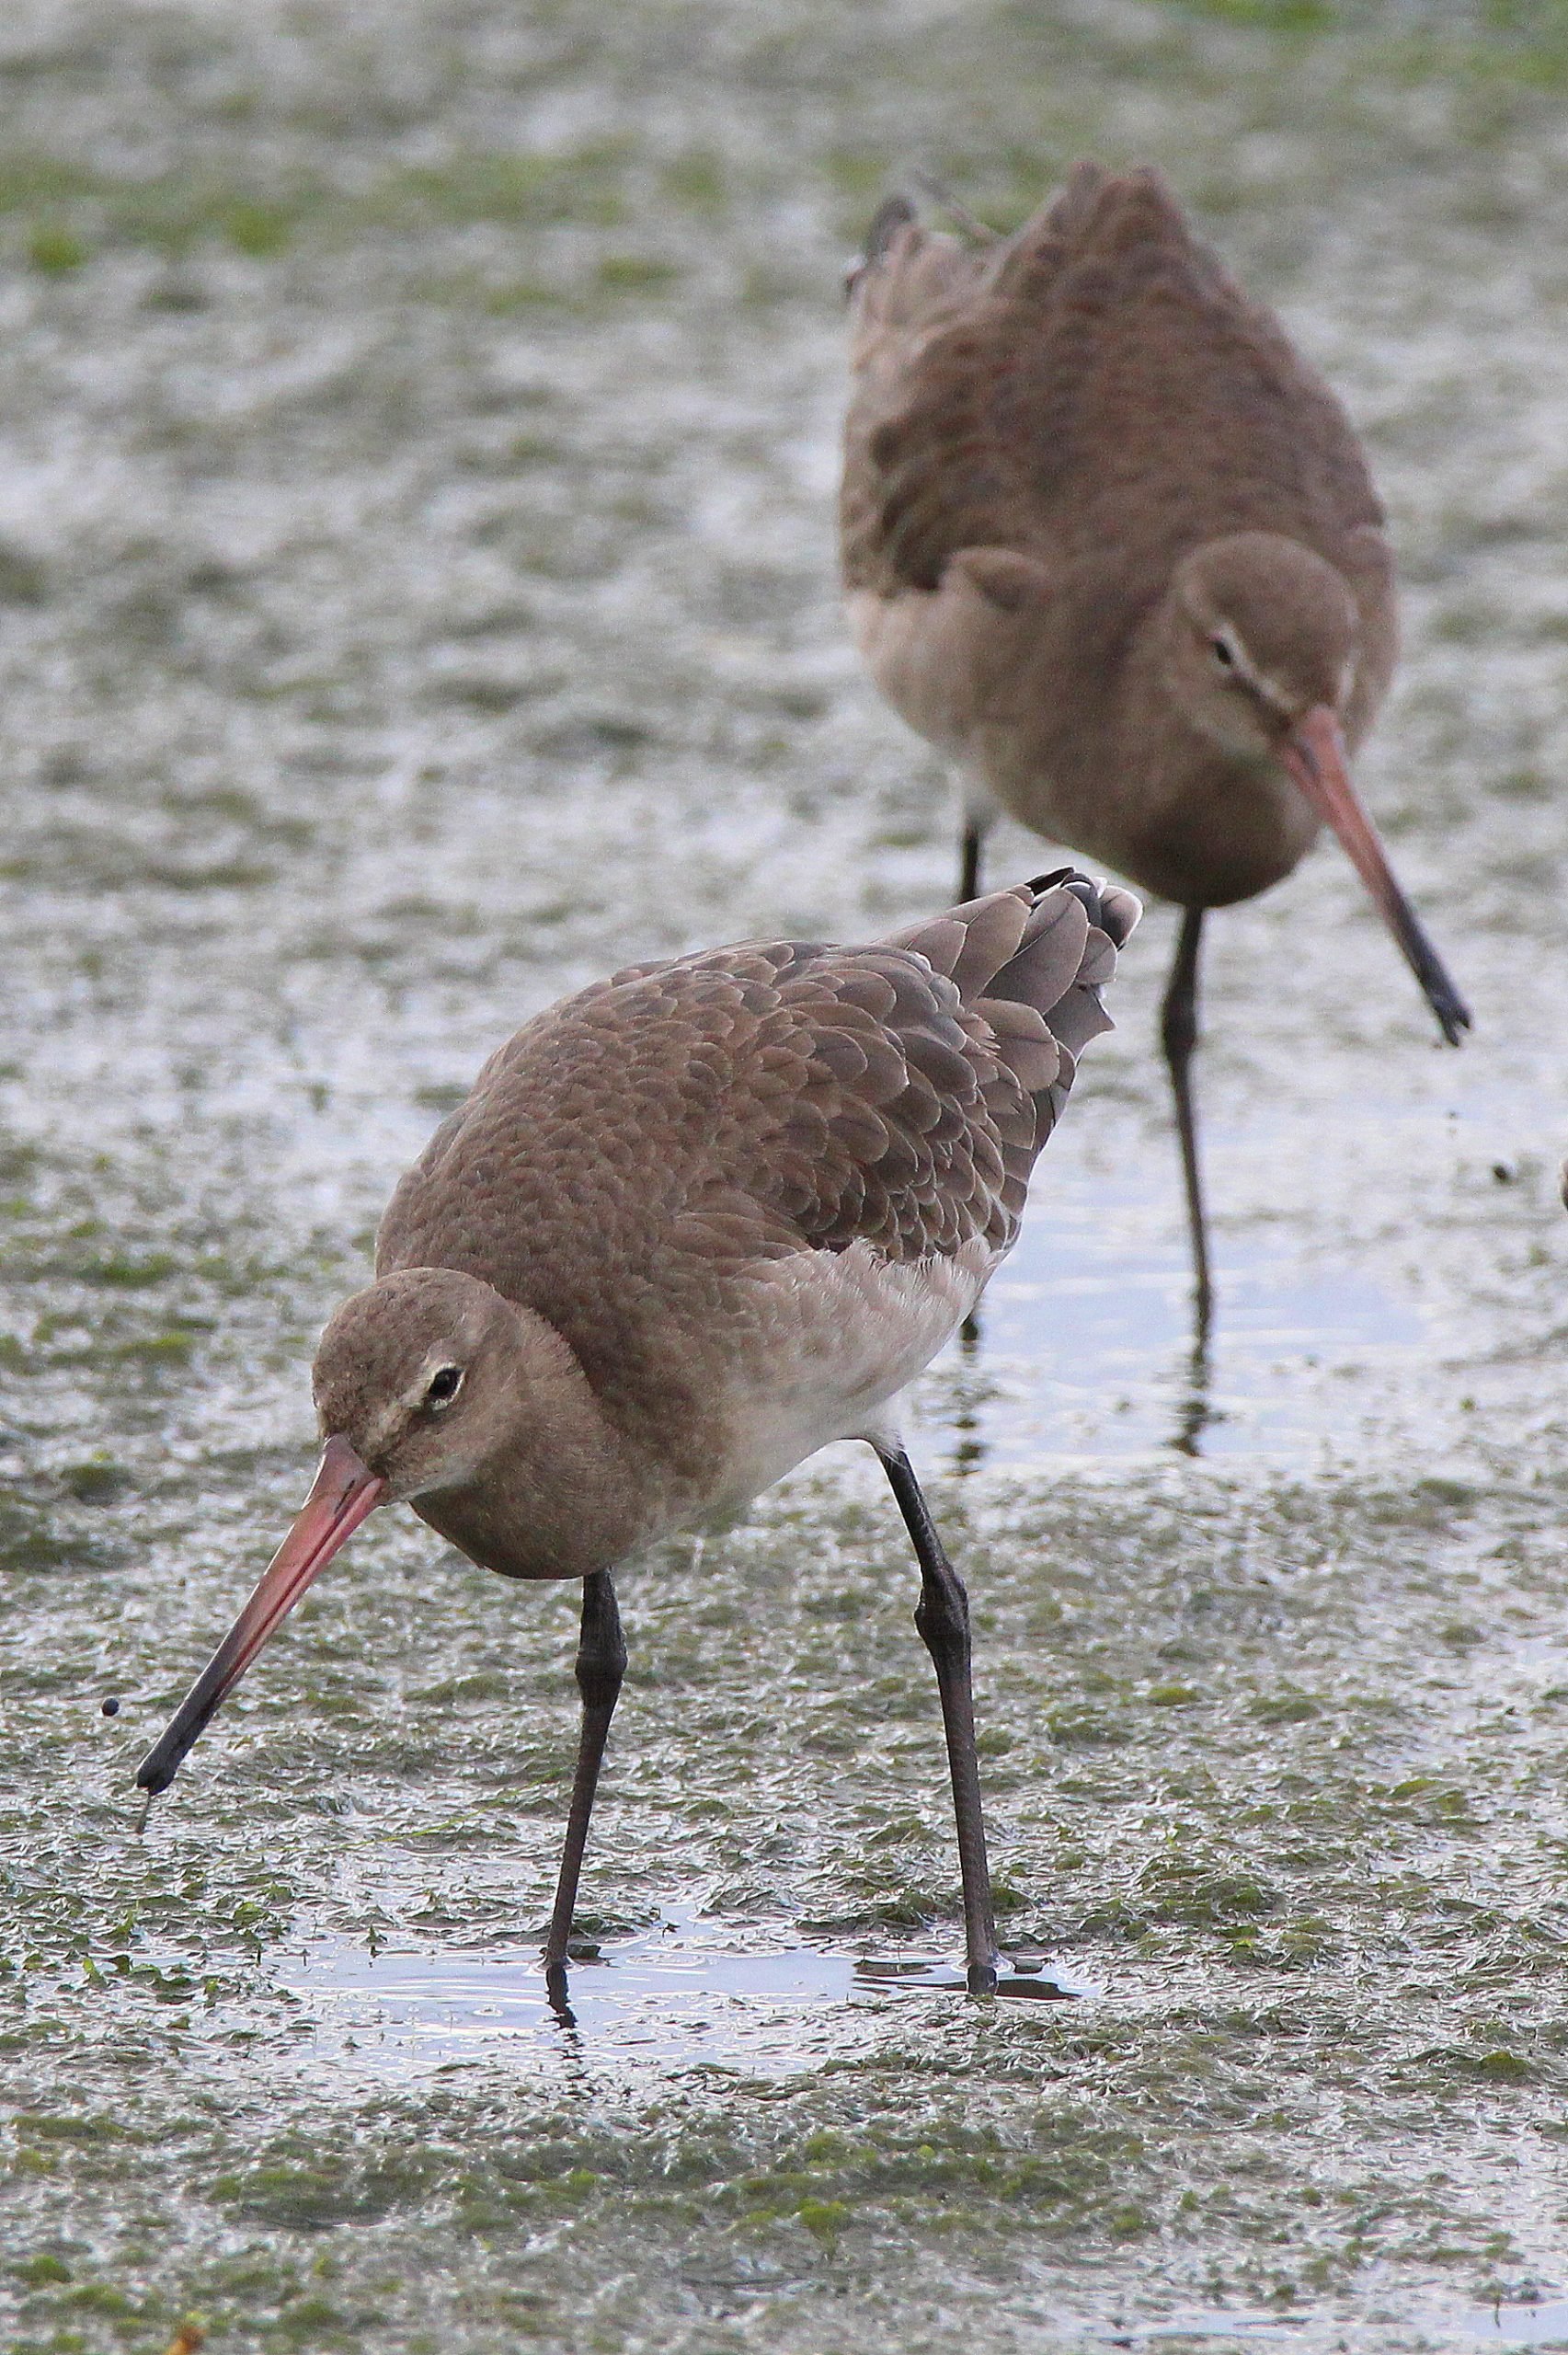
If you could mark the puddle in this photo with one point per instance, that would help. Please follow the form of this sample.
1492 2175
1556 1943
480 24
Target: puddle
1542 2325
1206 2323
668 1995
1085 1349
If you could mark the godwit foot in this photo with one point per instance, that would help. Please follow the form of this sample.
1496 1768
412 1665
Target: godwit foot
1035 1982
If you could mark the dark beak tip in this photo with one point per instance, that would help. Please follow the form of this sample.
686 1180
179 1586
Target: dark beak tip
1454 1017
343 1492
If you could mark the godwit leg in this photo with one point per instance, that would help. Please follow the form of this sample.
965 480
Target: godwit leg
943 1617
969 859
601 1665
977 816
1178 1031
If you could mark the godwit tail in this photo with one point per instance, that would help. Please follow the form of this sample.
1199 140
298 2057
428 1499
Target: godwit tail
1030 964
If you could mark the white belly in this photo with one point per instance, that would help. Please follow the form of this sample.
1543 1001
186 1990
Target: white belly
839 1335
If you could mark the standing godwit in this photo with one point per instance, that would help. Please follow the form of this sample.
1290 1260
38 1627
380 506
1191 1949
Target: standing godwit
688 1227
1112 546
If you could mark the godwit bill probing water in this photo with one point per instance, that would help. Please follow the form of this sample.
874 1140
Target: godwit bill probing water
688 1227
1112 546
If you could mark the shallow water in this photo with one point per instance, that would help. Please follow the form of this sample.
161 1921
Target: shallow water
417 596
660 1998
669 1996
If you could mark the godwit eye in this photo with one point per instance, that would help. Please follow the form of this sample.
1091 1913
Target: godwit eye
1223 653
443 1385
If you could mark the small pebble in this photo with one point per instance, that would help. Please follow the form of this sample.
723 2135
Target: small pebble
1504 1173
110 1708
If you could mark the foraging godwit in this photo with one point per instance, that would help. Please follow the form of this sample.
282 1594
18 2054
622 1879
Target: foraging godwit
1112 546
688 1227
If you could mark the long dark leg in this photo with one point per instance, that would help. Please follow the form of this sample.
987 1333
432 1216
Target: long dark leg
942 1618
601 1665
1178 1031
974 834
970 844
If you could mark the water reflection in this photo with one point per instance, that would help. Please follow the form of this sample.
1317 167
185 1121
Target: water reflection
665 1997
1197 1409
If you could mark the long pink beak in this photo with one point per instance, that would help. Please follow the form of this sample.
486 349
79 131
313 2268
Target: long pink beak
344 1492
1314 754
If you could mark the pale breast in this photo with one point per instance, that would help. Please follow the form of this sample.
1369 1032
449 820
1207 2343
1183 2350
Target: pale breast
821 1347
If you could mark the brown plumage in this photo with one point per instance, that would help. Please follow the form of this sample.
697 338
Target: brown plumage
1111 544
688 1227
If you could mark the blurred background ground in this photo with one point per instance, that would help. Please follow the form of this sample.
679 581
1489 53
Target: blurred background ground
417 596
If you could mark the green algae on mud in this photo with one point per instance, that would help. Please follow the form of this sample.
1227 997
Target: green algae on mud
415 595
1330 1943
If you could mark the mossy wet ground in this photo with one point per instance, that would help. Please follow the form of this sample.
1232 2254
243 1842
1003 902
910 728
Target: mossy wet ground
416 596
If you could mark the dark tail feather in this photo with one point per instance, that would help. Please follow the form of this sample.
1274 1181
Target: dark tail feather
894 213
1032 962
